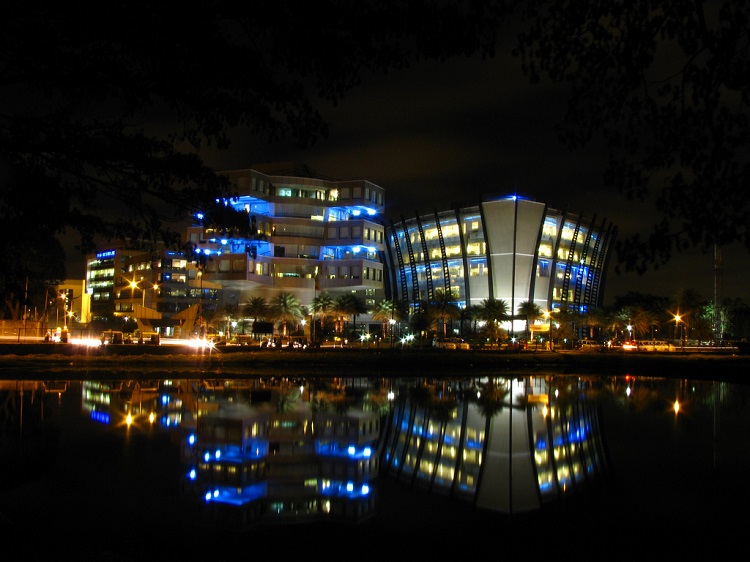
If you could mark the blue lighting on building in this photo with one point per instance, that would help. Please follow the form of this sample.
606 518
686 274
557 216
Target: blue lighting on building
100 417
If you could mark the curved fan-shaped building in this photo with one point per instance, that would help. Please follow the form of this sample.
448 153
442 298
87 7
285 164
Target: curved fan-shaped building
507 445
510 248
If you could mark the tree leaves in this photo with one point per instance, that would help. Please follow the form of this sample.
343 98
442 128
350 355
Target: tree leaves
105 110
665 87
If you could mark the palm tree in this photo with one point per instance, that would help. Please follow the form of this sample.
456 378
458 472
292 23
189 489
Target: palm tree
384 312
444 308
639 319
531 312
349 304
595 318
493 311
562 323
470 314
224 316
423 320
322 305
256 308
286 308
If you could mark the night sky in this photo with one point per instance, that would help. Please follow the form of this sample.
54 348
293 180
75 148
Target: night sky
437 134
440 134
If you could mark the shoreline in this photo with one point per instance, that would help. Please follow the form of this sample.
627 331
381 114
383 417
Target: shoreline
59 361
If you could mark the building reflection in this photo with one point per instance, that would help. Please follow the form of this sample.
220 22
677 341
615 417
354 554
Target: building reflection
283 451
276 450
507 445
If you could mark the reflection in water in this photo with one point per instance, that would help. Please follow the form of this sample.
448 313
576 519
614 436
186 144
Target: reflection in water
242 454
507 445
274 449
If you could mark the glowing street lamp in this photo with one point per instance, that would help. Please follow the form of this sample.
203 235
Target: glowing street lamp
677 320
155 287
64 299
133 287
548 316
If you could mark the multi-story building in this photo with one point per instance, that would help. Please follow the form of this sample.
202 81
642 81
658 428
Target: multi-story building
151 288
308 235
69 308
304 236
509 248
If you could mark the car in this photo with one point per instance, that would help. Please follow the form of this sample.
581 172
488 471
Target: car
462 344
589 345
112 337
629 346
655 345
153 338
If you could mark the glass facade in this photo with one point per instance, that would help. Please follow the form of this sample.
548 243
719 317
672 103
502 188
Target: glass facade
509 248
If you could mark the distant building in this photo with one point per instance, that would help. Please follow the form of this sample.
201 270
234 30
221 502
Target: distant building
508 248
151 288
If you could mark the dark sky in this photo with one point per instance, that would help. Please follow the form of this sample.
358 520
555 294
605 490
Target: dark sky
443 133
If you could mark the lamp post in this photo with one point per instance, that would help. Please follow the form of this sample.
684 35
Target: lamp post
61 296
200 303
392 323
64 298
315 304
677 320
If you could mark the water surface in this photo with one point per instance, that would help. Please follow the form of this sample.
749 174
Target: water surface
520 464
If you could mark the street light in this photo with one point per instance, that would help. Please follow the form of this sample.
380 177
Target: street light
677 320
315 304
392 322
548 316
155 287
133 287
63 298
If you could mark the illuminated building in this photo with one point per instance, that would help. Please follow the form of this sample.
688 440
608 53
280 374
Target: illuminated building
306 236
303 236
152 288
509 249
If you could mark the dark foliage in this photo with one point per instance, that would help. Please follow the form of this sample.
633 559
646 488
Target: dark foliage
665 86
105 109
